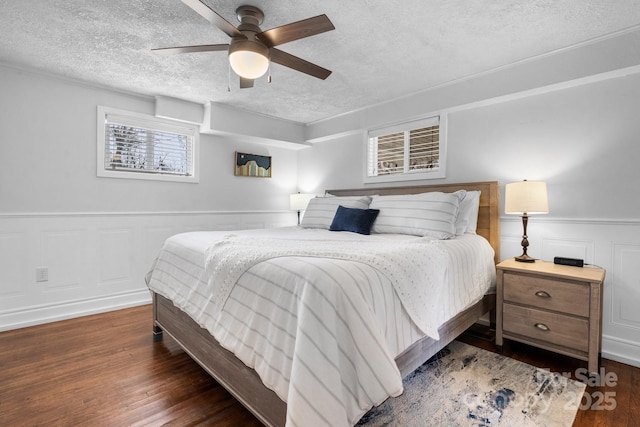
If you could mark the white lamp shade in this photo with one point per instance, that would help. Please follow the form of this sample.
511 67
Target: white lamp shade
299 201
526 197
248 64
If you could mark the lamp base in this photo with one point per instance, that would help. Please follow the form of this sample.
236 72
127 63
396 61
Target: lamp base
525 258
525 242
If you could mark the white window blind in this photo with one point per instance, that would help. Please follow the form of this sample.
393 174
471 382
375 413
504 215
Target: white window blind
132 145
412 150
424 148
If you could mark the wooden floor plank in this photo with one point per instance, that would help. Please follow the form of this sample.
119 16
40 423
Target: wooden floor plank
105 370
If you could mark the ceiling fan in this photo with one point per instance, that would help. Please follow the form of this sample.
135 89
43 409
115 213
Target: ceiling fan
251 49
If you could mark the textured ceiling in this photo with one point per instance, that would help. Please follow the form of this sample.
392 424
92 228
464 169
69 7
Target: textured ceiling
379 50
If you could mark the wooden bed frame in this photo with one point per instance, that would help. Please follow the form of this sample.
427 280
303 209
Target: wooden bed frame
244 383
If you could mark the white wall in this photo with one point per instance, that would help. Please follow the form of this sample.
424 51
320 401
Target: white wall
49 126
98 236
582 139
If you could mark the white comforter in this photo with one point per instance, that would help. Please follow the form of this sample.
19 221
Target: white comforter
322 332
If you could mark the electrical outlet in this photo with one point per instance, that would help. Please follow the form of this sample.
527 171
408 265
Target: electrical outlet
42 274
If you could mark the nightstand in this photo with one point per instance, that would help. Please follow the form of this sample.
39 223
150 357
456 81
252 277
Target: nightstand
555 307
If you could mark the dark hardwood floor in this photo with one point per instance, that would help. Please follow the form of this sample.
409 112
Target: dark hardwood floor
105 370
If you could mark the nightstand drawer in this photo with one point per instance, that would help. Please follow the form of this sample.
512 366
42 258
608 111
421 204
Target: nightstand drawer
567 331
548 294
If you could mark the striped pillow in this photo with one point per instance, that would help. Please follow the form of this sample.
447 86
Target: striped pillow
427 214
321 210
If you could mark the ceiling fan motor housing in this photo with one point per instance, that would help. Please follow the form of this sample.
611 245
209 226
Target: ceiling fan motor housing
250 18
250 15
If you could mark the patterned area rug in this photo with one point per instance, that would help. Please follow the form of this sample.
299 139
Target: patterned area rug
467 386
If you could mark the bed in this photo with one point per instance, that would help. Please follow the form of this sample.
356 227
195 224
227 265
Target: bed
193 328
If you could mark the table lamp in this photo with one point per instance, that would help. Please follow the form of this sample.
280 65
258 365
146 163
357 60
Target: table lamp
298 202
526 198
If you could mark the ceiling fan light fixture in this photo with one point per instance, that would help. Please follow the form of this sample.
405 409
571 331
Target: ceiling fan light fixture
251 50
249 59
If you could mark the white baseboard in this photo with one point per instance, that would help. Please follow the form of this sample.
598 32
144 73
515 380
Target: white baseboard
36 315
621 350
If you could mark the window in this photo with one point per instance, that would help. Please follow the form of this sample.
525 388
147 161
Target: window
407 151
139 146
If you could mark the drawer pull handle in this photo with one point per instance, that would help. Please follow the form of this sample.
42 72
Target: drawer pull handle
543 294
542 326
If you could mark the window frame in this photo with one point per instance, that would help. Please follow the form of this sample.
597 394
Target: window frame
150 122
409 175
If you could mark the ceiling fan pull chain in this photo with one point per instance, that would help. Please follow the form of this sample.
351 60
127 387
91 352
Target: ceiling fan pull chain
229 78
269 76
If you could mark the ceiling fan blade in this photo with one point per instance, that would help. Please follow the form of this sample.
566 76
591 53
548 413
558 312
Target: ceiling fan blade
298 64
296 30
191 49
213 17
246 83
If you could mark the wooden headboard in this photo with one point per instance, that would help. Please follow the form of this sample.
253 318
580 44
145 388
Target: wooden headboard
488 214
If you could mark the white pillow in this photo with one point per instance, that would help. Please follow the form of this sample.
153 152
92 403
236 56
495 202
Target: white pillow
467 220
321 210
427 214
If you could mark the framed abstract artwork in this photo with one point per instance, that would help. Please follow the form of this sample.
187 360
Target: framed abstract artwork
252 165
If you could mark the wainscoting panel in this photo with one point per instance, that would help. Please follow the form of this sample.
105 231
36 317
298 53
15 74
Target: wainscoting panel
115 257
153 238
625 294
581 249
13 263
196 227
62 253
95 262
611 244
511 245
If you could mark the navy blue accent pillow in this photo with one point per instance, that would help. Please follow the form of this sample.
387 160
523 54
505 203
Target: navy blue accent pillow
354 219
